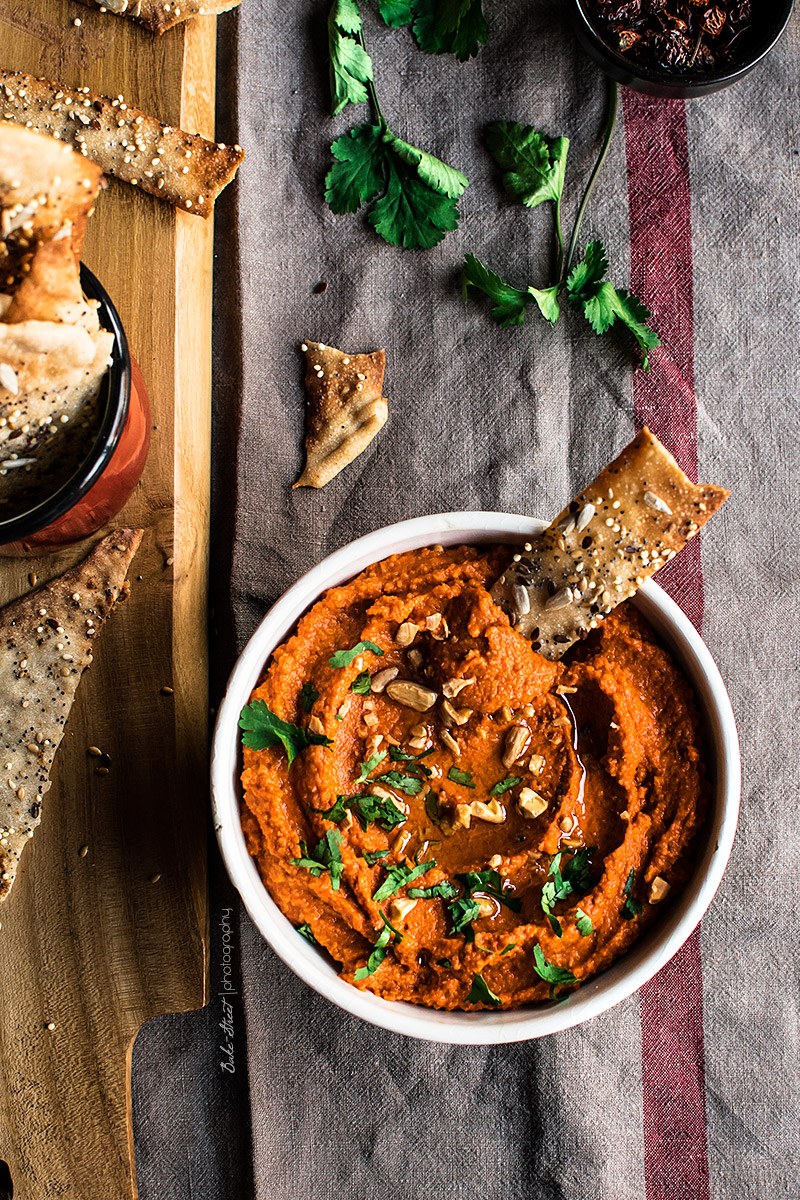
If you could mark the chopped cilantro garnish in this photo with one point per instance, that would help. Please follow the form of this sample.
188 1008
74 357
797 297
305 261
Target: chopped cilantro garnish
481 993
432 806
403 783
462 777
373 856
632 907
308 694
367 808
326 856
444 962
379 953
511 946
583 923
362 684
504 785
398 755
462 913
263 730
555 976
443 891
343 658
490 882
305 931
366 768
397 877
571 878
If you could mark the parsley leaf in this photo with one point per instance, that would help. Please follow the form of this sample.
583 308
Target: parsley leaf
557 976
462 777
403 783
509 303
547 302
308 694
368 808
399 876
350 65
505 784
396 12
362 684
366 768
374 856
533 164
305 931
357 174
450 27
603 305
583 923
481 993
326 856
379 953
263 730
443 891
343 658
431 171
410 213
632 907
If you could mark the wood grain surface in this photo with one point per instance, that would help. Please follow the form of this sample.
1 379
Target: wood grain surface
91 944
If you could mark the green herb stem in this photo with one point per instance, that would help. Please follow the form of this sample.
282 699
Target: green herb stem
608 133
560 236
373 95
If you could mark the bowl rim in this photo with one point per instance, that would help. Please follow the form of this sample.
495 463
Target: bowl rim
627 974
690 85
115 393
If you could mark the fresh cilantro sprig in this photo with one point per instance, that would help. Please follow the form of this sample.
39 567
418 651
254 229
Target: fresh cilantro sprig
366 768
566 879
308 696
505 784
555 976
412 194
367 808
464 778
403 783
441 891
262 729
379 953
631 907
326 856
455 27
343 658
397 877
533 167
491 883
481 993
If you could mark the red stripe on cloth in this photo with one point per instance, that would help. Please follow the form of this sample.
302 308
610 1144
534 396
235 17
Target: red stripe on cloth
673 1062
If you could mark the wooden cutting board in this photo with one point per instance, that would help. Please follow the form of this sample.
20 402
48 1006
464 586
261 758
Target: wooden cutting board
91 944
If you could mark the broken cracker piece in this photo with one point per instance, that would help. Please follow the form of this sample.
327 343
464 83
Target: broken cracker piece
159 15
45 646
345 409
184 168
639 512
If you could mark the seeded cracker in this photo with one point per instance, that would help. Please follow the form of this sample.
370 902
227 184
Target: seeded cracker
45 646
159 15
345 409
639 512
183 168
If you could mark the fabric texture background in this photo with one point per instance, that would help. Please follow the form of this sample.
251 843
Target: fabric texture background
689 1089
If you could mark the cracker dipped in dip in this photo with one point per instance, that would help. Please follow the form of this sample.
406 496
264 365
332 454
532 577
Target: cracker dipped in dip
458 821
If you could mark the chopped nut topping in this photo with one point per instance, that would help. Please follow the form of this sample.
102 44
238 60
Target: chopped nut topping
315 725
400 907
454 686
406 633
494 811
530 803
517 739
411 694
459 716
381 678
659 890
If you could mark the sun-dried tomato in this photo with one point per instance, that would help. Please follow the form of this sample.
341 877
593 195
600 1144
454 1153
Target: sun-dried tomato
676 35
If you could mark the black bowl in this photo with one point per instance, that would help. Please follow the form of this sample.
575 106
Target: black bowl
115 394
771 19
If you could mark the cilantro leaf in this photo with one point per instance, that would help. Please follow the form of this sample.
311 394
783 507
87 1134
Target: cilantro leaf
379 953
350 65
410 213
491 882
481 993
358 173
505 784
450 27
305 931
509 303
396 12
398 755
367 808
547 302
462 777
573 878
326 856
366 768
557 976
511 946
462 913
343 658
583 282
583 923
443 891
308 694
602 304
431 171
632 907
444 962
362 684
533 164
374 856
399 876
432 807
263 730
403 783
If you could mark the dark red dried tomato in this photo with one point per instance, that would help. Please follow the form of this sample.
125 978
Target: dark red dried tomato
676 35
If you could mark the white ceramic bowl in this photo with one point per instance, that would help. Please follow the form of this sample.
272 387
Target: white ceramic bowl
631 971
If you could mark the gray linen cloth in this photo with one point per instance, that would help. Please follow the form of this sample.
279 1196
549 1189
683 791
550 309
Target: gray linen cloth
319 1104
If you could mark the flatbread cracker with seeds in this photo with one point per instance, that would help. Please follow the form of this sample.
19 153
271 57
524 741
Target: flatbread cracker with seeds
183 168
45 646
159 15
639 512
346 409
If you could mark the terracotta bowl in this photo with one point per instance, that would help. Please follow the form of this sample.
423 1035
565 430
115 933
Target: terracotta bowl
630 972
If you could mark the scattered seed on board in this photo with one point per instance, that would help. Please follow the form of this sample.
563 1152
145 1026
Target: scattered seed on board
84 850
167 691
154 878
